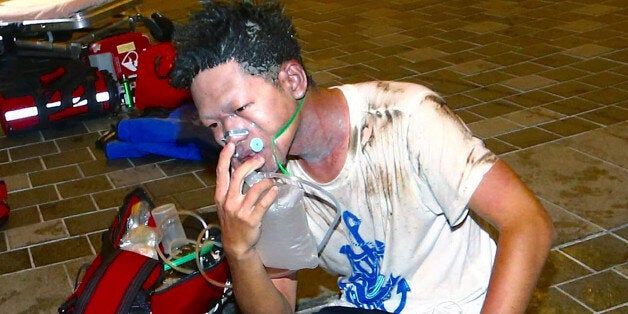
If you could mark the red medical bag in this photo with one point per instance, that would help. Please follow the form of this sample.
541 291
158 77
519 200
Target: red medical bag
152 85
121 281
119 54
35 100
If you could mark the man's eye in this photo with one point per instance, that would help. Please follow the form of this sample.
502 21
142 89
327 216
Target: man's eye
240 109
213 125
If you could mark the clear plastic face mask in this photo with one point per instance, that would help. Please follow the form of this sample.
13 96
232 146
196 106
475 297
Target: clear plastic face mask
256 144
237 133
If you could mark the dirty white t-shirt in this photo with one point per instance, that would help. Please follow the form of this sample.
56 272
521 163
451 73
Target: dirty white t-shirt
405 243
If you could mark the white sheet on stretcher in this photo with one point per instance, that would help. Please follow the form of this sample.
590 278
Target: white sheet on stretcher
22 10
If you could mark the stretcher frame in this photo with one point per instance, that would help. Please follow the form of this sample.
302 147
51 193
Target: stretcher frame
80 20
37 37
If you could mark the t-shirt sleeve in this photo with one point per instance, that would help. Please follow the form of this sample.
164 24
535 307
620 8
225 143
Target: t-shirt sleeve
448 157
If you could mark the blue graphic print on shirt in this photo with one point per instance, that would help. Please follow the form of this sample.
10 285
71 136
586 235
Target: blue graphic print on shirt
366 287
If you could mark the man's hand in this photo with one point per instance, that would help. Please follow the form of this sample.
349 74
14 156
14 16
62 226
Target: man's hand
240 215
240 219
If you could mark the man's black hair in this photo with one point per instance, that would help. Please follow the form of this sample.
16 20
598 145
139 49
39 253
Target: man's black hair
257 36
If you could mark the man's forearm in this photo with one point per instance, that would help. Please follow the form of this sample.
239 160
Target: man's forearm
520 257
526 234
253 289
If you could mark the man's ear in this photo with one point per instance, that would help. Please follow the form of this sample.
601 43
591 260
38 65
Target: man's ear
292 77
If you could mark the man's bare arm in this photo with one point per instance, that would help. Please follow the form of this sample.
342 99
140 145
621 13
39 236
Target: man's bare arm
526 234
256 293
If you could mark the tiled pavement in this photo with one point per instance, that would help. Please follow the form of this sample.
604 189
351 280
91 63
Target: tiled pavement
543 82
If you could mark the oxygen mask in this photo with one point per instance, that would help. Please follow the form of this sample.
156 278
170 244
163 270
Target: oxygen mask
239 134
244 146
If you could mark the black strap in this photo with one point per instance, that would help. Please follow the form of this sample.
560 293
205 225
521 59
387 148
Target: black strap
131 290
83 300
75 75
136 285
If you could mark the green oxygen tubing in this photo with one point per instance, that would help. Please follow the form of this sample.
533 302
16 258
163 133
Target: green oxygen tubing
281 131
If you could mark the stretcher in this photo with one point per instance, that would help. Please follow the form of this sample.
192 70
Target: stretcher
65 59
45 15
49 28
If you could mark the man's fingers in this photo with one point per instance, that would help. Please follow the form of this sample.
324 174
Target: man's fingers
223 177
262 205
238 175
255 193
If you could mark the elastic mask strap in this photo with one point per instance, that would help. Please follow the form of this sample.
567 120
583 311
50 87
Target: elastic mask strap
283 129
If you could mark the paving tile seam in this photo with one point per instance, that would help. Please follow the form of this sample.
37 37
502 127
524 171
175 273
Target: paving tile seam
581 264
617 307
559 99
603 106
92 194
5 239
519 149
574 299
40 215
560 286
558 83
31 258
90 150
592 236
571 213
598 158
521 125
565 118
56 189
619 272
47 242
197 175
619 228
500 141
63 263
67 231
72 282
43 140
41 161
593 272
536 126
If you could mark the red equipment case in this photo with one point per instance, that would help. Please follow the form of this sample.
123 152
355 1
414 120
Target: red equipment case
119 54
72 89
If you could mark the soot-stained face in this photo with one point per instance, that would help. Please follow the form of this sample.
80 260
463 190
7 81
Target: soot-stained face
246 108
